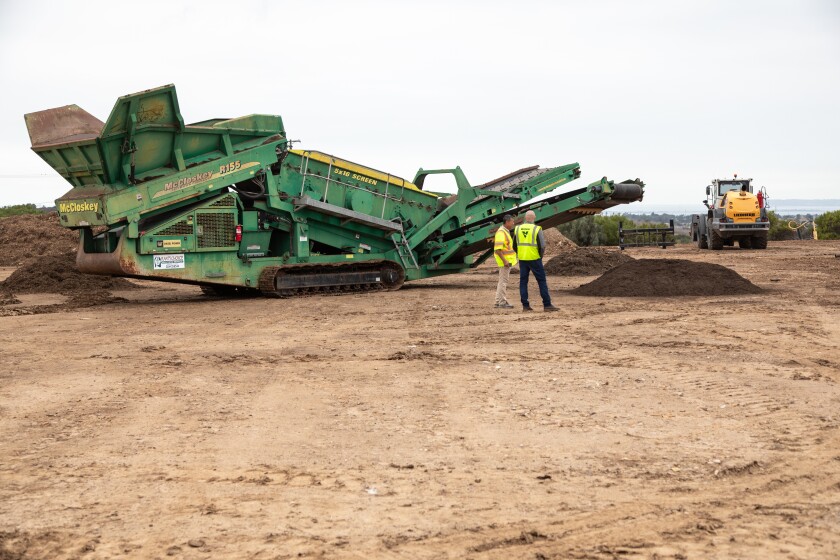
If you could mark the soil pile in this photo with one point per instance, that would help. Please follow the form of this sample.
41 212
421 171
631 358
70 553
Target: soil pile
7 297
667 277
34 235
585 261
57 274
556 243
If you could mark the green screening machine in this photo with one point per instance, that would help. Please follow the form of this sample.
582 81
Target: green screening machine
229 205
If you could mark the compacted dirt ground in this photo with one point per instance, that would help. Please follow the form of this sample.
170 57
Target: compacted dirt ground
424 423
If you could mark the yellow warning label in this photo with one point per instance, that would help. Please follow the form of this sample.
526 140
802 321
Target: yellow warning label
172 243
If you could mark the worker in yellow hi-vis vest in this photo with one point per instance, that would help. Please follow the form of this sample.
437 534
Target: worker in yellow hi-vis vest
505 258
529 241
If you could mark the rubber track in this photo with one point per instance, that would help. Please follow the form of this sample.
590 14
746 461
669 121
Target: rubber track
267 286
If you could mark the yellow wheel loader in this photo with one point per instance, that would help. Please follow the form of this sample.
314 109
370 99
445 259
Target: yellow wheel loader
733 213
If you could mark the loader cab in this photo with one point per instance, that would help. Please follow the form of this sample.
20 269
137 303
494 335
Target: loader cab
719 188
723 187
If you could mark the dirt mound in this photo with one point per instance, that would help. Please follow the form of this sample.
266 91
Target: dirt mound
58 274
585 261
7 297
667 277
556 243
73 303
34 235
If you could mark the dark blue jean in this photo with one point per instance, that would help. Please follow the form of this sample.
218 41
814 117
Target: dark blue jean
526 267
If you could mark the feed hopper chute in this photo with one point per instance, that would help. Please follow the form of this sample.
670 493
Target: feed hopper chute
65 137
229 205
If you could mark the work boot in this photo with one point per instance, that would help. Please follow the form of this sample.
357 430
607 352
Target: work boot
504 306
527 308
551 308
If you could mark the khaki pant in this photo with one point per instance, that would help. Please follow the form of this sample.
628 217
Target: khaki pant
501 288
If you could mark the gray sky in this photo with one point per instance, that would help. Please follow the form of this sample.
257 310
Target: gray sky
675 93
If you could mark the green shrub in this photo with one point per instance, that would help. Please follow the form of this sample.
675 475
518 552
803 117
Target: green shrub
584 231
828 225
600 230
779 230
609 226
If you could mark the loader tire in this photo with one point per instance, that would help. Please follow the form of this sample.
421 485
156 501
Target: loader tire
745 243
715 240
702 242
759 241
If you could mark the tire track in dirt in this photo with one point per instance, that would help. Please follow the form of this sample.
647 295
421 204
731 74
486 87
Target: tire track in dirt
782 427
722 524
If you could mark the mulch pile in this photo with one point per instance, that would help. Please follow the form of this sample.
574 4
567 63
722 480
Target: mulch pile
585 261
34 235
667 277
57 274
45 254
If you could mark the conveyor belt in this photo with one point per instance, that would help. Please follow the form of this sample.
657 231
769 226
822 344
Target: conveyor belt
507 182
623 193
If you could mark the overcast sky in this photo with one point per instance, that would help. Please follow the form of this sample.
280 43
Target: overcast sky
673 92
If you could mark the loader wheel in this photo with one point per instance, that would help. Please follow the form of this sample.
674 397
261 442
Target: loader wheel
759 241
702 242
745 243
715 240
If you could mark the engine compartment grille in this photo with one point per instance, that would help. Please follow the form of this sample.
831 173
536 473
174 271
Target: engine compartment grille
226 201
215 229
178 228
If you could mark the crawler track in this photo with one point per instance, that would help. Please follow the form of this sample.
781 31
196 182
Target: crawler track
317 279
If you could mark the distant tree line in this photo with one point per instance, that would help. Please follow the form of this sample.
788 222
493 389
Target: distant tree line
603 230
657 218
18 209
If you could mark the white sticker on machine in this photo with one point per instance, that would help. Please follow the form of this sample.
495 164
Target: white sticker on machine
168 262
302 238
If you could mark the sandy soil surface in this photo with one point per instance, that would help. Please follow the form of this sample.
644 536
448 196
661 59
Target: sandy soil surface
425 424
